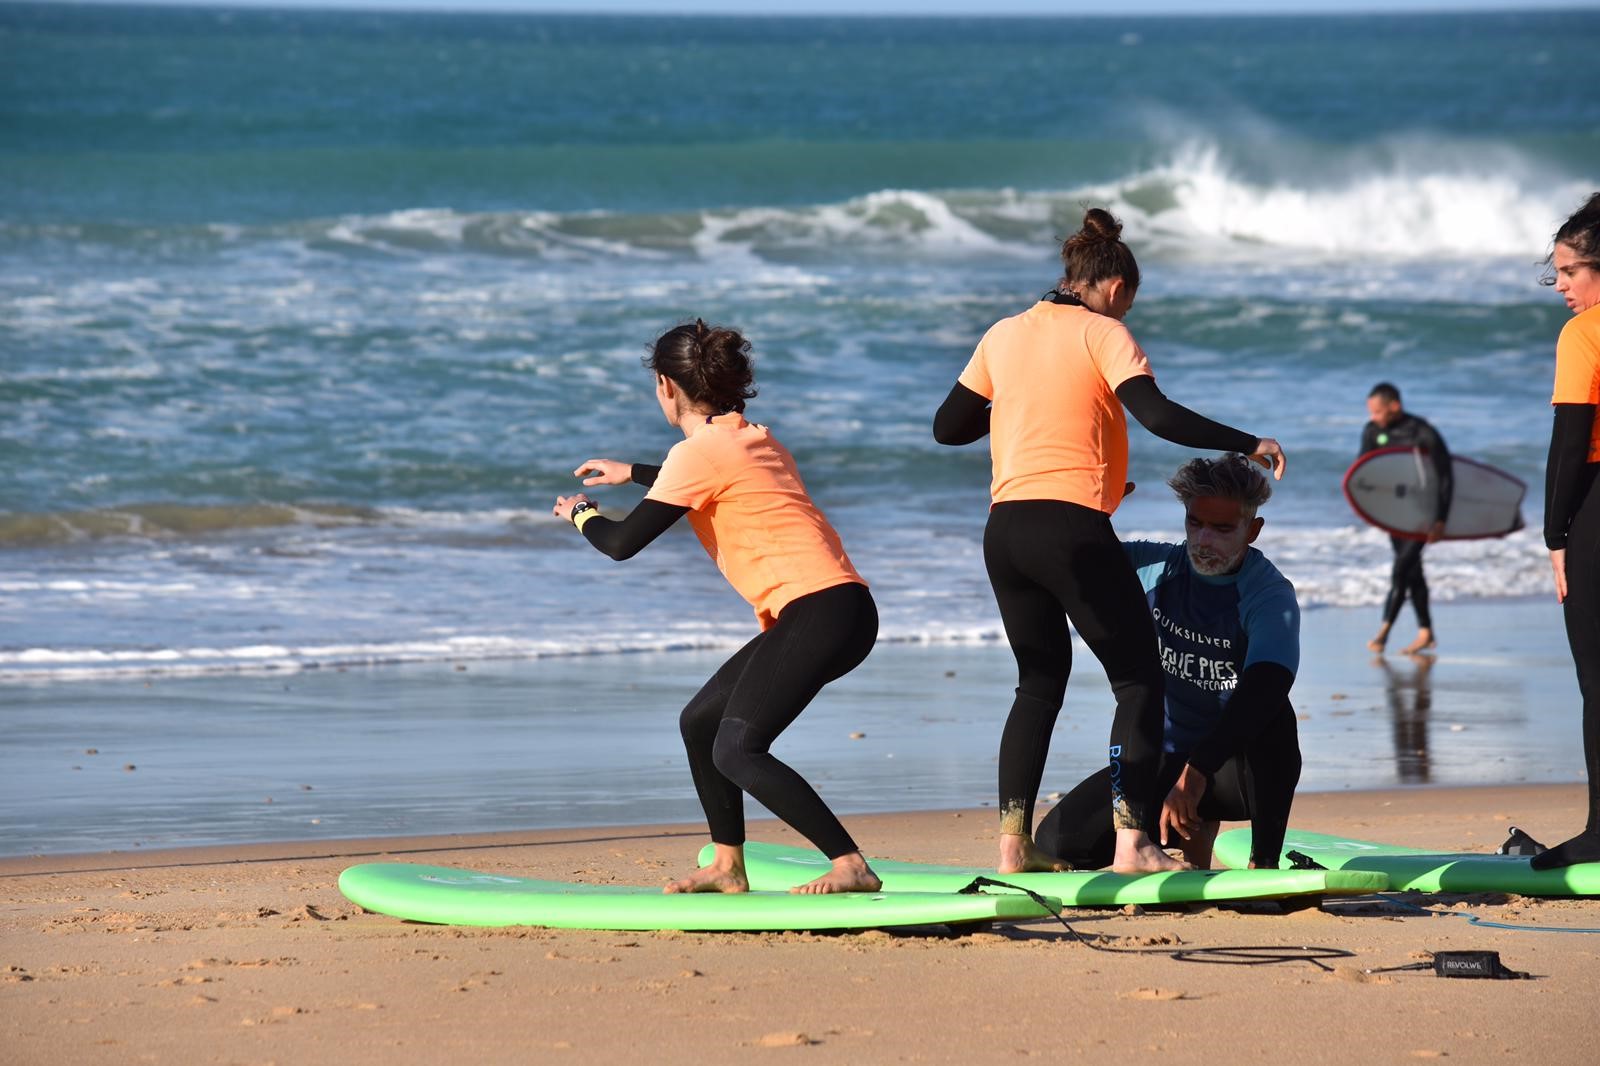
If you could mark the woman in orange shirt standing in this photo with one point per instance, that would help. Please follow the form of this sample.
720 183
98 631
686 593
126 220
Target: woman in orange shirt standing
748 506
1572 495
1048 387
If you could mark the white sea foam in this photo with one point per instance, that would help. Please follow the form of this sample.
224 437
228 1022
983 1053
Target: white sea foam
488 605
1416 202
1397 200
1394 200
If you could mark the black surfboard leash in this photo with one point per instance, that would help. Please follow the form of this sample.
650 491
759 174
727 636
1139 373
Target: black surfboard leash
1239 955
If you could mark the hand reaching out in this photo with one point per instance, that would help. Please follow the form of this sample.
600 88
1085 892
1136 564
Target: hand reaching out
1269 453
604 472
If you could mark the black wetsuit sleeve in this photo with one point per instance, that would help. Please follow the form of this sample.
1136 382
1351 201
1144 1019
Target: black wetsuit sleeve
962 418
1369 438
1175 422
1262 691
644 474
1566 469
623 539
1439 455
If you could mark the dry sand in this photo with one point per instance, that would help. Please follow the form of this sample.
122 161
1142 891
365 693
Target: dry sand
248 954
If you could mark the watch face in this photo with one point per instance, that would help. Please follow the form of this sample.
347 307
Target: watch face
1383 438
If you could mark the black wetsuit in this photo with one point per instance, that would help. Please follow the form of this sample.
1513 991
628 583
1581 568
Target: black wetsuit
1406 579
1050 561
730 724
1230 647
1572 522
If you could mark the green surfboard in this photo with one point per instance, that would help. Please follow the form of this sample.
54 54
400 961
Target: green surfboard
777 866
448 896
1422 870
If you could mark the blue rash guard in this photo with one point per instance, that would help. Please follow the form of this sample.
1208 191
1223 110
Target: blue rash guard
1211 630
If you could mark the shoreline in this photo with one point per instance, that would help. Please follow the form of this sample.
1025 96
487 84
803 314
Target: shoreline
249 953
450 748
1312 809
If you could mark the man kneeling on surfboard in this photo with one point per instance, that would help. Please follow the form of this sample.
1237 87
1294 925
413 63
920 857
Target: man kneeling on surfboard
1229 632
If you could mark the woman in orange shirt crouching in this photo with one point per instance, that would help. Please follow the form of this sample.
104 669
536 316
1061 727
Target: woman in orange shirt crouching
748 506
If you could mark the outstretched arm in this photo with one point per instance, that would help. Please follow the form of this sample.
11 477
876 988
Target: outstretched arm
962 418
625 538
1176 423
619 539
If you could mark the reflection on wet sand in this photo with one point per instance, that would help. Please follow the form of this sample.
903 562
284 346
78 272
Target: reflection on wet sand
1410 703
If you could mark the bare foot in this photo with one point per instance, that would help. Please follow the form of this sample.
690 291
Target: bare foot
1019 855
1424 642
724 873
1137 854
1376 644
850 873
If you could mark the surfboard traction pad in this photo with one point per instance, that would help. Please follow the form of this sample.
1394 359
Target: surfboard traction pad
773 867
450 896
1417 869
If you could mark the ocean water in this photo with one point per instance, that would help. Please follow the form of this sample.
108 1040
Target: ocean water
305 318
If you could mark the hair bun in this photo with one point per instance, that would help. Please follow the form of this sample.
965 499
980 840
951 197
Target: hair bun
710 363
1098 225
1096 252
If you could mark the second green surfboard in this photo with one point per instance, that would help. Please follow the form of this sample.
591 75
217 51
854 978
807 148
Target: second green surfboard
776 867
1423 870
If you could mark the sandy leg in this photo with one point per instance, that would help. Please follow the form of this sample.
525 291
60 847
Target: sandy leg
850 873
1019 854
725 873
1137 854
1197 849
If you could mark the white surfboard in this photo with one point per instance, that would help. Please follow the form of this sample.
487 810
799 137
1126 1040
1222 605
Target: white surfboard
1396 490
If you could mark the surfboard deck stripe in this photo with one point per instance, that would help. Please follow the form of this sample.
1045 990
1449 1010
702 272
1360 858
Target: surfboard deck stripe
448 896
1424 871
776 867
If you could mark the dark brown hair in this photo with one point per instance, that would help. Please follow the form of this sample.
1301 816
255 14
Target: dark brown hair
1581 233
710 364
1096 252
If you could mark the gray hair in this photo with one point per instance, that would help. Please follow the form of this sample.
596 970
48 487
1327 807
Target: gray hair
1233 477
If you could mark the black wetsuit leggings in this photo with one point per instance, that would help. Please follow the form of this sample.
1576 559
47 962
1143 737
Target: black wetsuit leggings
1406 580
1050 561
1255 786
734 718
1581 609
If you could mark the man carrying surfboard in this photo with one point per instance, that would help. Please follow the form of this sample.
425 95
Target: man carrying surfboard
1228 628
1393 426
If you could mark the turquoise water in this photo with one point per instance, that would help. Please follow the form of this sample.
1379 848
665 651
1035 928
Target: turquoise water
308 316
305 318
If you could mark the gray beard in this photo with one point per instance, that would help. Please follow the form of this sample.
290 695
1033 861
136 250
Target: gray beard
1214 566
